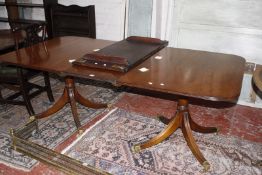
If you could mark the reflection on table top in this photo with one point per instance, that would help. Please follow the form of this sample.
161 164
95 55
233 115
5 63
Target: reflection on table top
60 52
212 76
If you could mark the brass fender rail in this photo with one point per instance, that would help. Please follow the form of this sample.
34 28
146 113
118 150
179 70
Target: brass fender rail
62 162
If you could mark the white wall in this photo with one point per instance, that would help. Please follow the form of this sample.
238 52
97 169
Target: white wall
226 26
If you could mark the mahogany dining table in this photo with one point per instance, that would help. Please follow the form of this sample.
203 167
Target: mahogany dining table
183 72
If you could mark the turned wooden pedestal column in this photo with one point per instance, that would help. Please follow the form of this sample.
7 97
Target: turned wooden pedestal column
70 95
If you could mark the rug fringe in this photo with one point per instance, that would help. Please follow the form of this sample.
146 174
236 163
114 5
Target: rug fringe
18 167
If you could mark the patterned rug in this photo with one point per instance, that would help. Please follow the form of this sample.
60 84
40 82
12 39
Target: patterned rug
53 130
107 145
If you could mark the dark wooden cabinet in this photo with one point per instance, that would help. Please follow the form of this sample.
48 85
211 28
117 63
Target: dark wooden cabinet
60 20
47 7
73 20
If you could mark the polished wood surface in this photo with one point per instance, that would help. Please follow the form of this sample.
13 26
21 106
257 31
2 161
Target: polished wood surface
70 95
183 120
212 76
60 51
206 75
189 73
123 55
56 58
18 79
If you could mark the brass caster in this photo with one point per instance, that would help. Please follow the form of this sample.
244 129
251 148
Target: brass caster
162 119
13 147
259 163
11 131
80 132
12 134
109 106
218 129
158 117
206 166
31 119
136 148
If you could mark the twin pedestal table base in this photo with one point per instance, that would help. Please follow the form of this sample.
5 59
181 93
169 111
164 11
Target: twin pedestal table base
181 72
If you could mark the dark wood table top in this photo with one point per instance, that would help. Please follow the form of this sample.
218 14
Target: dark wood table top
60 51
211 76
206 75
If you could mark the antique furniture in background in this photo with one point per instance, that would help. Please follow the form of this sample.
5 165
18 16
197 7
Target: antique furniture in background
17 78
7 41
22 33
73 20
61 20
15 12
13 7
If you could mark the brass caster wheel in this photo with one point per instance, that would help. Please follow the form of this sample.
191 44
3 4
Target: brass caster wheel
31 119
259 163
217 132
80 132
158 117
206 166
12 134
109 106
136 148
162 119
11 131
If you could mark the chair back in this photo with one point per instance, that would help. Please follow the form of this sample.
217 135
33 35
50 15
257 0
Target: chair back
35 33
29 33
